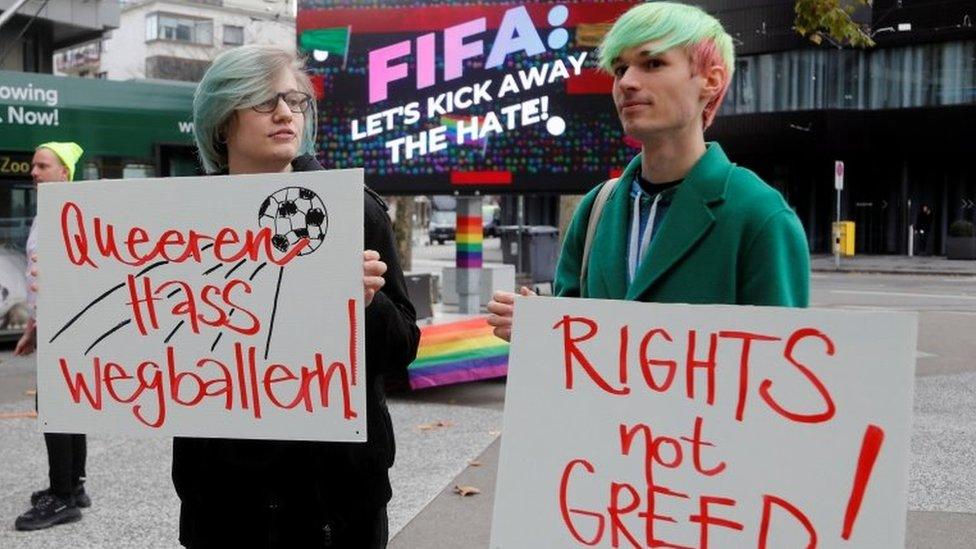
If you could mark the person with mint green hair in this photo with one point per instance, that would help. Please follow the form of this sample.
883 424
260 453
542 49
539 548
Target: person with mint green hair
682 224
254 112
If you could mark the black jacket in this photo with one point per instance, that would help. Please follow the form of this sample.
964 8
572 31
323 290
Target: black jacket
280 493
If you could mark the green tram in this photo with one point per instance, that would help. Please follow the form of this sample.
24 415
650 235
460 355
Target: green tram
127 129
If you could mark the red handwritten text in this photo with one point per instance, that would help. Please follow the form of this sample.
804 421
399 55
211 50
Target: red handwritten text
659 375
139 247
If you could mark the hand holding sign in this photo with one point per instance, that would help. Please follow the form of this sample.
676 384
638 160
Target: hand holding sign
373 270
502 307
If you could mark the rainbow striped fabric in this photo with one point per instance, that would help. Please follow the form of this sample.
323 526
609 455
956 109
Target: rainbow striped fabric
450 121
456 352
469 239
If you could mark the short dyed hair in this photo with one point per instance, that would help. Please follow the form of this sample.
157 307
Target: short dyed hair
240 78
674 25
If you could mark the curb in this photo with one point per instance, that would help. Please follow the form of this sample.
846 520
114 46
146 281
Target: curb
869 270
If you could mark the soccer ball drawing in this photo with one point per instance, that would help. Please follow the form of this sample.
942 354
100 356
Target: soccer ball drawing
294 213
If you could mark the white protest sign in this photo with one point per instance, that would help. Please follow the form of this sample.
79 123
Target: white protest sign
648 425
203 306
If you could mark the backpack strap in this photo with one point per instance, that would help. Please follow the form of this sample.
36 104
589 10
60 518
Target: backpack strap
595 212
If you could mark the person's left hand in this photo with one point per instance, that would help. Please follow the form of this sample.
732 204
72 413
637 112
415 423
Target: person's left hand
373 270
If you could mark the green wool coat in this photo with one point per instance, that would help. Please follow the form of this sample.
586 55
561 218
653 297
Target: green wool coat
728 238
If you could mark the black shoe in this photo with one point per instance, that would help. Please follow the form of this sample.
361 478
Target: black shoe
81 498
49 511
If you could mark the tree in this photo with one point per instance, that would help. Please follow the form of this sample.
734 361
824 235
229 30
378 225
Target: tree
830 20
403 230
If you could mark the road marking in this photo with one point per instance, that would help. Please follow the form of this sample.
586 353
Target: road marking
18 415
923 354
904 294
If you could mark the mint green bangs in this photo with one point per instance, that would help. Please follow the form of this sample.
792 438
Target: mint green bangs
670 24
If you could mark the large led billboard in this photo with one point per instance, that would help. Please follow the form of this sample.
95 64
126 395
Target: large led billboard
438 97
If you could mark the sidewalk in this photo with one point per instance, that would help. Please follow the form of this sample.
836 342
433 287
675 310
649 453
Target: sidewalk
433 259
894 264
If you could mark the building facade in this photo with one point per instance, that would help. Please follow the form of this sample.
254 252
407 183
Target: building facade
30 37
900 115
178 39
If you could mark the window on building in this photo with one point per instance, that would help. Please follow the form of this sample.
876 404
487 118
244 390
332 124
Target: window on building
233 35
922 75
132 170
91 172
177 28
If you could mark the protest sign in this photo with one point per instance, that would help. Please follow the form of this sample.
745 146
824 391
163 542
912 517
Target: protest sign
650 425
222 306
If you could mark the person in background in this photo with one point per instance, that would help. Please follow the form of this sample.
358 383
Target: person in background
923 226
63 499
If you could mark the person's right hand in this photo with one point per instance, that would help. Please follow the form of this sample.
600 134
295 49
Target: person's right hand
502 307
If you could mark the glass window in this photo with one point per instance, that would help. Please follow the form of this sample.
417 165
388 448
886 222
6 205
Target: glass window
91 172
891 78
955 78
161 26
233 36
138 170
203 32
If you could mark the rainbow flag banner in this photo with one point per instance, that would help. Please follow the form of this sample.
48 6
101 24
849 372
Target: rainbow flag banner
457 352
469 238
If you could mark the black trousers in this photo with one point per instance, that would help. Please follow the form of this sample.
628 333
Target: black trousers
280 528
66 455
923 241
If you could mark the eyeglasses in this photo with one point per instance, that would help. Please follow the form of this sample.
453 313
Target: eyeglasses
296 101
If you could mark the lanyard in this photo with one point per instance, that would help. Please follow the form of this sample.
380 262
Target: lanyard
640 242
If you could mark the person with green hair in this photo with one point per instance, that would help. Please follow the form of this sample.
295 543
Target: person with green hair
61 501
682 224
254 112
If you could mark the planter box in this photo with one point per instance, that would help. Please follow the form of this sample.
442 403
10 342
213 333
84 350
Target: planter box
961 247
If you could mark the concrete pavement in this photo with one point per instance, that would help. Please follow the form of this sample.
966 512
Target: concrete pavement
894 264
433 257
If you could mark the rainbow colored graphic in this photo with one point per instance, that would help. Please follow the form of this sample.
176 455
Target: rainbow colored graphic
469 239
456 352
450 121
